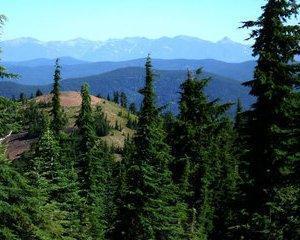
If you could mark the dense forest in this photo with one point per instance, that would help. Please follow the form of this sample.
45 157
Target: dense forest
200 174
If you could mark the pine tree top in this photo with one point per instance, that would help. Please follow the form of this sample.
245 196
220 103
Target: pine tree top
148 112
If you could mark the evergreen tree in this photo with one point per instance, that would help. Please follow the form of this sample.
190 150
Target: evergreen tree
58 116
148 207
116 96
38 93
273 131
20 216
123 100
202 140
132 108
36 120
132 122
108 97
46 168
22 98
95 171
238 114
100 197
101 123
86 132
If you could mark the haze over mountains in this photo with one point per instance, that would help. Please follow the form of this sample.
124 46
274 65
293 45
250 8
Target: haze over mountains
131 79
118 65
40 71
180 47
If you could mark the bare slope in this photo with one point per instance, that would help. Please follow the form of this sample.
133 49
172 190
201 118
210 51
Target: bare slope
71 101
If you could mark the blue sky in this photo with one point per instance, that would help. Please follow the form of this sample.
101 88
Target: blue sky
103 19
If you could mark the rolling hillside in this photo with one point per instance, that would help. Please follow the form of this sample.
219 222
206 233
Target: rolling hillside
19 143
130 80
40 71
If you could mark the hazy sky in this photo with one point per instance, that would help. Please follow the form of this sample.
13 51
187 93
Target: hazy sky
103 19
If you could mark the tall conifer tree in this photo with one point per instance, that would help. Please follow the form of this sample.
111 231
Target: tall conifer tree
202 139
86 132
58 116
20 206
273 131
148 207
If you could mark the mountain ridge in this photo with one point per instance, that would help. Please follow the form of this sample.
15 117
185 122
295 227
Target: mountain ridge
127 48
131 79
37 72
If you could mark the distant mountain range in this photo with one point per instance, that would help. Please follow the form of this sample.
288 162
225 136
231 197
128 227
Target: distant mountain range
40 71
180 47
131 79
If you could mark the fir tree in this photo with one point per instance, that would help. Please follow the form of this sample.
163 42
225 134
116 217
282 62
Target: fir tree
202 139
238 114
123 100
272 132
20 207
100 197
148 207
58 115
101 123
47 171
116 97
38 93
132 108
22 98
86 132
36 120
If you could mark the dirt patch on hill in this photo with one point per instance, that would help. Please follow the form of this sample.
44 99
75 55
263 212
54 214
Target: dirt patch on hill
68 99
17 144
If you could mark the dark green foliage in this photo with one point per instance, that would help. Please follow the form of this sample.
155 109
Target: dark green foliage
148 110
148 207
38 93
59 120
100 197
118 126
86 133
19 205
116 97
132 108
238 114
22 98
215 179
100 122
36 120
50 169
272 132
10 116
132 123
123 100
84 121
94 165
202 140
108 97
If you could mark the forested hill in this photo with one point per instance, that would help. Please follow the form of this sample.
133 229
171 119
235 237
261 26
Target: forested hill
39 71
130 80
